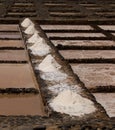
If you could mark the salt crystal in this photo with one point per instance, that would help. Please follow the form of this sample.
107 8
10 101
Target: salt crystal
71 103
49 64
26 22
30 30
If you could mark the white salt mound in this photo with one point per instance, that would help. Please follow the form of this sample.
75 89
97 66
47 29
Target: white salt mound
50 70
56 76
71 103
40 49
49 64
26 22
35 38
30 30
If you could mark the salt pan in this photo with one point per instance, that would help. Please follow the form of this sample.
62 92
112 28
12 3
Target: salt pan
30 30
49 64
26 22
40 49
71 103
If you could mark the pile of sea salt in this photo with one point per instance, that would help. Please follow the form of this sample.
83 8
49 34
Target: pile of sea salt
26 22
34 38
49 69
30 30
29 25
72 103
40 48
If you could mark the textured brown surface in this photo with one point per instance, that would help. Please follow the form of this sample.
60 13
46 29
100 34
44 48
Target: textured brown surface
66 27
11 43
17 76
13 55
10 35
94 75
21 105
83 43
108 27
107 100
87 54
75 35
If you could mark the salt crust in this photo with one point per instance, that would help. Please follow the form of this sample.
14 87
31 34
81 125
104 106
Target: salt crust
26 22
40 49
71 103
30 30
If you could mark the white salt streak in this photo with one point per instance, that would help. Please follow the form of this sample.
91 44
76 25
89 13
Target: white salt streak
50 69
71 103
56 76
64 86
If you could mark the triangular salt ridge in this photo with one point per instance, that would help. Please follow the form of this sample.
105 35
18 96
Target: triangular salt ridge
34 38
40 49
30 30
26 22
72 103
49 64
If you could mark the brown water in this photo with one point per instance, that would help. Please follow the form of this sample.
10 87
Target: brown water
11 43
21 105
10 35
6 27
13 55
17 76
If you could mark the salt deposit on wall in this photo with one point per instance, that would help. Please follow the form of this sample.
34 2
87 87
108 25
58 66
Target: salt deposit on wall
40 49
26 22
30 30
71 103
